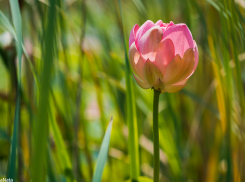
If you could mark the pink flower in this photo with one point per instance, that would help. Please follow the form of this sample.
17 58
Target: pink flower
162 55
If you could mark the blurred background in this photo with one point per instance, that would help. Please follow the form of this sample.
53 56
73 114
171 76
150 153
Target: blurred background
81 84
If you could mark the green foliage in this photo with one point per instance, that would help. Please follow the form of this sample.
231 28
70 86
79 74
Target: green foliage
41 129
75 73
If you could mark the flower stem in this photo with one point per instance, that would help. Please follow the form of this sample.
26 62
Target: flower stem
156 135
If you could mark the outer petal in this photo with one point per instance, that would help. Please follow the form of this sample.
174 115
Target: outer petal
136 61
151 73
173 88
144 28
164 54
173 69
181 37
179 69
149 43
133 34
188 66
142 84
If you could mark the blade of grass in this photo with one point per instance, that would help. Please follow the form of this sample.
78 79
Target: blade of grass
100 164
34 74
15 11
41 130
219 90
62 154
131 113
6 25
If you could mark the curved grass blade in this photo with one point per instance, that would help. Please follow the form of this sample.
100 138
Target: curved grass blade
6 25
100 164
62 154
15 11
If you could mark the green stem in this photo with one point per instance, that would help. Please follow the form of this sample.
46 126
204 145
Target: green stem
156 135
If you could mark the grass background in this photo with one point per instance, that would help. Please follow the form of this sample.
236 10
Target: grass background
72 80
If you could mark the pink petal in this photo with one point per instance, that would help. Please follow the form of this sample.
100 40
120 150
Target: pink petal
164 54
149 43
151 73
166 26
160 23
141 83
164 29
170 24
133 34
181 37
144 28
136 61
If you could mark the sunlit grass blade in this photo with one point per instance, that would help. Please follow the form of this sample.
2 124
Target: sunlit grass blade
101 161
131 113
141 179
200 101
41 129
15 11
62 153
6 25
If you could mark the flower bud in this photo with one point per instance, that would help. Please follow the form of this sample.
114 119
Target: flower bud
162 55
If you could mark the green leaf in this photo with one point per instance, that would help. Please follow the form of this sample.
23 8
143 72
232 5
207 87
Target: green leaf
41 128
100 164
15 11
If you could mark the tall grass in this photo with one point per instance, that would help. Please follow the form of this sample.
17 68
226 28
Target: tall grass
75 75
